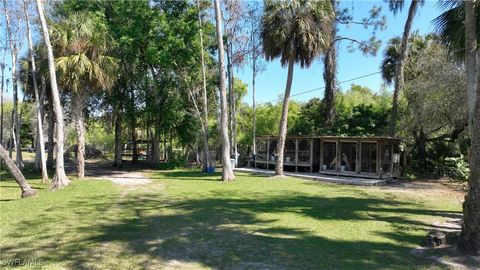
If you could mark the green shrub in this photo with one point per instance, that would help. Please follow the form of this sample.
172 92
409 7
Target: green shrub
177 160
456 168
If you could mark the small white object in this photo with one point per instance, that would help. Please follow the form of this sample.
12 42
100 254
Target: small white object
342 168
396 158
324 167
288 159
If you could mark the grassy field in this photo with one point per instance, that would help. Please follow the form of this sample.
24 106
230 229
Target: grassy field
190 220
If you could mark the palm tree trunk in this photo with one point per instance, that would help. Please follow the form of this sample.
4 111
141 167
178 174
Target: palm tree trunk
399 76
14 51
79 104
27 191
227 172
11 141
50 133
233 104
2 66
60 179
40 140
206 150
283 120
254 105
38 150
330 66
330 73
229 95
469 242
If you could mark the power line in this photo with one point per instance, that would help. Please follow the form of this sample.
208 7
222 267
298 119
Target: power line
349 80
323 87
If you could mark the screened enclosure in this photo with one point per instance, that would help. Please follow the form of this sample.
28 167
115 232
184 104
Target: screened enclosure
298 153
368 157
375 157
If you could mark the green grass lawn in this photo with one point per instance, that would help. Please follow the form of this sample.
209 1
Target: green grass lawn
190 220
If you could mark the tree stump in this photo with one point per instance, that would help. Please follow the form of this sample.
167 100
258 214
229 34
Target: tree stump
436 239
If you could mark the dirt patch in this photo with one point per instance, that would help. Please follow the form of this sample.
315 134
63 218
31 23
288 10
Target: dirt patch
119 177
445 188
126 179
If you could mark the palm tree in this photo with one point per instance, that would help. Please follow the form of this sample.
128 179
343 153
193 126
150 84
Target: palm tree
256 60
82 42
60 179
391 54
27 191
459 29
397 6
227 171
13 44
295 31
206 151
40 141
451 28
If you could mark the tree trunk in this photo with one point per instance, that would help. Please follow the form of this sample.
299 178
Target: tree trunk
330 73
60 179
14 51
206 150
229 95
399 76
50 133
27 191
469 242
283 120
156 146
254 105
118 140
38 104
11 141
133 124
79 99
2 66
233 102
227 172
422 151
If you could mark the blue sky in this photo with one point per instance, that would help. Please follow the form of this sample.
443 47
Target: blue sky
271 83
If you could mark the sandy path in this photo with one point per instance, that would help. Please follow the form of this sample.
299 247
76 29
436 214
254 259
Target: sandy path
119 177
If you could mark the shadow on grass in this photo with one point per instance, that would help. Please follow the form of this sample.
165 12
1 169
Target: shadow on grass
225 233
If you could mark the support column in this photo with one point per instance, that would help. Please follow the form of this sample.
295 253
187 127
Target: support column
311 155
296 155
321 156
358 160
379 159
338 157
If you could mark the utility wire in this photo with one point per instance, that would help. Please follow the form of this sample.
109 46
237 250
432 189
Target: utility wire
321 88
341 82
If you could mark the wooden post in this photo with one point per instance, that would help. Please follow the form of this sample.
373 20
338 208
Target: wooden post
358 162
296 155
321 156
379 158
391 159
338 156
268 151
311 155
